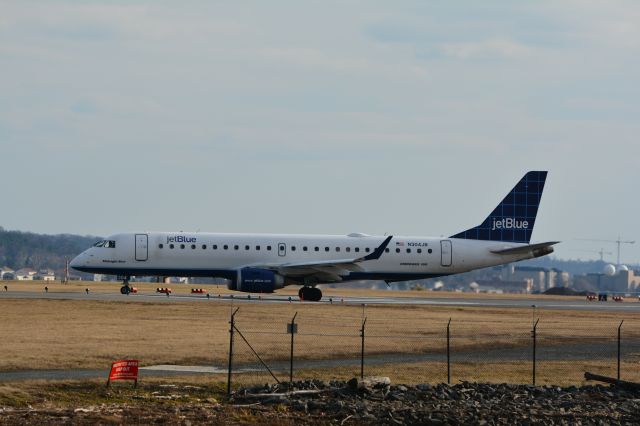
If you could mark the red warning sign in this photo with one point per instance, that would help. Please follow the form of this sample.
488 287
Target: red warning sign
124 370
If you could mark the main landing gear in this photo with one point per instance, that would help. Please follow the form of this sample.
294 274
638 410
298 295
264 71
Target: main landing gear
311 294
125 289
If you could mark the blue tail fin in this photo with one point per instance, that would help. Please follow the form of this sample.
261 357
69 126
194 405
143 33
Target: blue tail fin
515 216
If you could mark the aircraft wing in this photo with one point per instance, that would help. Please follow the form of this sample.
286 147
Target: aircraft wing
327 270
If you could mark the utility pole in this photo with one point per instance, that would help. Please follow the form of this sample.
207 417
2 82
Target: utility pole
66 271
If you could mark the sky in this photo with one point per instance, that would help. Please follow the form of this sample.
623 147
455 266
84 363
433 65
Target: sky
407 118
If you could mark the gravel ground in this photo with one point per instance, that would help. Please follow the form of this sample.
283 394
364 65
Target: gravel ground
466 403
348 403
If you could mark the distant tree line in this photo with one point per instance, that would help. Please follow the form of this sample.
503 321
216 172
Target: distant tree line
28 250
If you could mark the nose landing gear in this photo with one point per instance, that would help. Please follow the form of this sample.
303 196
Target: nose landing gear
311 294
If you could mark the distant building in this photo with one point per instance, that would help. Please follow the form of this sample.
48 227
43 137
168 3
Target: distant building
542 278
522 273
7 274
622 281
45 275
25 274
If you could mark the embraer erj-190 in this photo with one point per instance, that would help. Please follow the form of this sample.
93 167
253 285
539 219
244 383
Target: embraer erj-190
262 263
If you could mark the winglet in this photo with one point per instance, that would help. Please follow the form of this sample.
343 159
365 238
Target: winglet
378 252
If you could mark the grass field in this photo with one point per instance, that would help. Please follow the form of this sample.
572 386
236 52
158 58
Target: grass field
45 334
328 291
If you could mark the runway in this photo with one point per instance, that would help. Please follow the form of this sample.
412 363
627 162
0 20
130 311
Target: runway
240 298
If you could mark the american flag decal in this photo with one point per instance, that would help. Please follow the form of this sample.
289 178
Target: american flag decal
400 243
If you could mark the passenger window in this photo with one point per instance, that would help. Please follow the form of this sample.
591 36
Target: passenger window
182 246
204 247
357 249
397 250
246 247
160 245
257 248
348 249
226 247
236 247
337 248
326 249
419 250
304 248
316 248
215 247
268 248
430 251
386 250
293 248
408 250
367 249
193 246
171 246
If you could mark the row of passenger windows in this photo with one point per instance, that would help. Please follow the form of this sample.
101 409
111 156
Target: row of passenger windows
293 248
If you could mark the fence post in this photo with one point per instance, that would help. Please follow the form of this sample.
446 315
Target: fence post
362 349
619 354
449 352
231 328
533 336
292 331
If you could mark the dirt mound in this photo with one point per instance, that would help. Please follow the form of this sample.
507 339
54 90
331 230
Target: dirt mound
564 291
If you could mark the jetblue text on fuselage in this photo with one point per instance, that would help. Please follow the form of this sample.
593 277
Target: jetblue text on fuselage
509 223
181 239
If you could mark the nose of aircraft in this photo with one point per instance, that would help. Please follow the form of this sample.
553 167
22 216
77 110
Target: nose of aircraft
77 261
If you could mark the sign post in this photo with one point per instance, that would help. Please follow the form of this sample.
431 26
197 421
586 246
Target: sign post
124 370
292 329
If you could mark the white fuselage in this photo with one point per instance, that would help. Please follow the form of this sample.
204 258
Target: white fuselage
222 255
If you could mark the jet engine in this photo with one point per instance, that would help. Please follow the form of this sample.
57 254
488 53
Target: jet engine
256 280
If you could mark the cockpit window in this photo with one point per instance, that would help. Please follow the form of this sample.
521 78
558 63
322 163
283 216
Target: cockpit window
105 243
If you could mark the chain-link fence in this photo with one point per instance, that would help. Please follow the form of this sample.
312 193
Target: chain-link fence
544 348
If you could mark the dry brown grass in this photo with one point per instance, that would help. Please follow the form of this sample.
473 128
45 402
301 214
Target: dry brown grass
41 334
548 373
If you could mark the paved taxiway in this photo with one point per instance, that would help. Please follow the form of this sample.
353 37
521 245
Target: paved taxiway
540 302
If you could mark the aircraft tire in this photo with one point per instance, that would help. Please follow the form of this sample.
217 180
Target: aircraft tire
310 294
124 289
316 294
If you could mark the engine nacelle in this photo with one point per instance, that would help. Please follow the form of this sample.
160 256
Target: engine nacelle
256 280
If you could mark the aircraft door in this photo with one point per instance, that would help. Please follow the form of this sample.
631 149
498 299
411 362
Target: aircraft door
142 247
282 249
445 252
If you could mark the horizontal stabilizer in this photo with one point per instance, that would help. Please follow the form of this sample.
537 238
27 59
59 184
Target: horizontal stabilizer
539 249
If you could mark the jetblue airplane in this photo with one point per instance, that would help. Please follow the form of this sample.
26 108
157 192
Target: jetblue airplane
262 263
